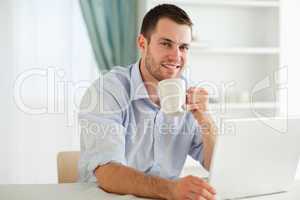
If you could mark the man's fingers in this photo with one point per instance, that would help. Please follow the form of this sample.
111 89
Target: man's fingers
208 187
200 182
207 195
197 89
202 192
199 191
196 97
191 107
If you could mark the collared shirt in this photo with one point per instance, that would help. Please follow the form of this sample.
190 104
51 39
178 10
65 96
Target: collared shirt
119 123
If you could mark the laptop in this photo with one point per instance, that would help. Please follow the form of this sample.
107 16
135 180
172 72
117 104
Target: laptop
255 157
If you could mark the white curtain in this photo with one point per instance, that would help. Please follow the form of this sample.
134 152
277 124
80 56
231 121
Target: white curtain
47 68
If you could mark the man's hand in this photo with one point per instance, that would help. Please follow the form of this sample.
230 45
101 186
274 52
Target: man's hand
197 103
193 188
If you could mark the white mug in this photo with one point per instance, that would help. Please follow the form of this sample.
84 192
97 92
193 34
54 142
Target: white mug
172 95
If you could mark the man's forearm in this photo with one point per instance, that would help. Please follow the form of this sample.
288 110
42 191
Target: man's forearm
208 151
208 138
116 178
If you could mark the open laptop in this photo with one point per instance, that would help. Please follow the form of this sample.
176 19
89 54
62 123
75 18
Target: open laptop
254 157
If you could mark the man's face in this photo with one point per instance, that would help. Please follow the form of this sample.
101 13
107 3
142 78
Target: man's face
166 54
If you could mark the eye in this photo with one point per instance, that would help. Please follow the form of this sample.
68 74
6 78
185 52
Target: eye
184 48
166 44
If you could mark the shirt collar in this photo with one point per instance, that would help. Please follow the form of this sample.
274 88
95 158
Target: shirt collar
137 86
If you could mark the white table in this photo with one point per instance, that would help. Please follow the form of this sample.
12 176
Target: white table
90 191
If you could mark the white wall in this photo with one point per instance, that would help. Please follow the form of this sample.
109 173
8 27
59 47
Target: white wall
6 58
290 42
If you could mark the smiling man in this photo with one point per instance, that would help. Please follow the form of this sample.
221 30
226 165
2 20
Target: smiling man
127 144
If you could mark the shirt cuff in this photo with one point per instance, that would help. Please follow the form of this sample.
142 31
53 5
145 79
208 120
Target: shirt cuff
104 158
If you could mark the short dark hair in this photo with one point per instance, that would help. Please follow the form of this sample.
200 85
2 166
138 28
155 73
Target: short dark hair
169 11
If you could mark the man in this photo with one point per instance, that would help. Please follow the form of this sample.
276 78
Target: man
127 144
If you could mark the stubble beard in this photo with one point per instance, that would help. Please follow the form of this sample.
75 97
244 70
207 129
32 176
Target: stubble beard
152 67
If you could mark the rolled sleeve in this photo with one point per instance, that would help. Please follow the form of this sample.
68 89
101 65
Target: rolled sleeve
196 149
102 137
101 149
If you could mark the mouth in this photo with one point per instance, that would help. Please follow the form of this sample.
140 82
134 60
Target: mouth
170 66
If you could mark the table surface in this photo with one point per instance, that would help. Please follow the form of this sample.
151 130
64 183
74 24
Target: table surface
90 191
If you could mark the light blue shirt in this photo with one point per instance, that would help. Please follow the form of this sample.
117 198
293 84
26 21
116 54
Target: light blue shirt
119 123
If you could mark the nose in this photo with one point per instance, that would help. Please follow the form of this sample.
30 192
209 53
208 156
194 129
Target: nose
175 54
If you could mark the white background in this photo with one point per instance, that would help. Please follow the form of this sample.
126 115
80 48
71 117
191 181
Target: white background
42 34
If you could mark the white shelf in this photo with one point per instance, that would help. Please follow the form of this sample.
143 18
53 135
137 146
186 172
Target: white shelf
256 105
234 50
243 3
238 39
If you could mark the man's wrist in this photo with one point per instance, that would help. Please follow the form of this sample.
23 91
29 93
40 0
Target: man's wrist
170 190
207 125
160 187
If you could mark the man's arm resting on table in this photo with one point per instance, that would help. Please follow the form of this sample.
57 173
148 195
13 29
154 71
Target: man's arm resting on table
116 178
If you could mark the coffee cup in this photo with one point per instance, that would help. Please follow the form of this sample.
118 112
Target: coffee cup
172 95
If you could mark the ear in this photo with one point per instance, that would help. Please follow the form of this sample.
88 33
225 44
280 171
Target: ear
142 43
